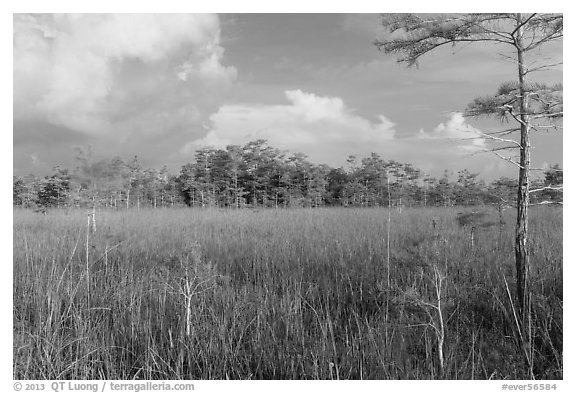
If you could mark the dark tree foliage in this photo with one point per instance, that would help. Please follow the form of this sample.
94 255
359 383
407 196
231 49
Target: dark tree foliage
554 176
257 175
53 190
337 180
19 188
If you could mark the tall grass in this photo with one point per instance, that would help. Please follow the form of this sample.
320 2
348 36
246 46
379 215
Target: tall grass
278 294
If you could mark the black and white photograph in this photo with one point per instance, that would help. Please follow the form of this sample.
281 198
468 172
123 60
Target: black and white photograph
287 196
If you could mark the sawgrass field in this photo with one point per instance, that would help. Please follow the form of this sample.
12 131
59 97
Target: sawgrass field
334 293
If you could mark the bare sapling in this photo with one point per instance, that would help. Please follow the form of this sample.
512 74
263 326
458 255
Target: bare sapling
88 260
195 278
91 224
93 217
437 323
433 307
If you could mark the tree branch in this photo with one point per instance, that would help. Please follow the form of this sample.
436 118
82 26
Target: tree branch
559 188
506 158
543 67
495 138
549 37
522 25
546 203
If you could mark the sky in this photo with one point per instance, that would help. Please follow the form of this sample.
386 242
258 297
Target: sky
161 86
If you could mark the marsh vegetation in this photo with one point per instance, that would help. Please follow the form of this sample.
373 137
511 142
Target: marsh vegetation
282 294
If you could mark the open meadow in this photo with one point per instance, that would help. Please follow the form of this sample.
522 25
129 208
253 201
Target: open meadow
328 293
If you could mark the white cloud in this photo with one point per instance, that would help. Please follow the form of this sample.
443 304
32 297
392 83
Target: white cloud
70 69
322 127
208 69
456 130
328 131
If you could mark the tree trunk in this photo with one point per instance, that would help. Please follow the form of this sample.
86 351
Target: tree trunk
521 247
236 199
424 196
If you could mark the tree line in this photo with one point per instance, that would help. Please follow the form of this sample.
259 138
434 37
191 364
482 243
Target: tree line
257 175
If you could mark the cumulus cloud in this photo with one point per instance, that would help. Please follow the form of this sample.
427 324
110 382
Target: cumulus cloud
319 126
89 72
328 131
208 69
457 131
